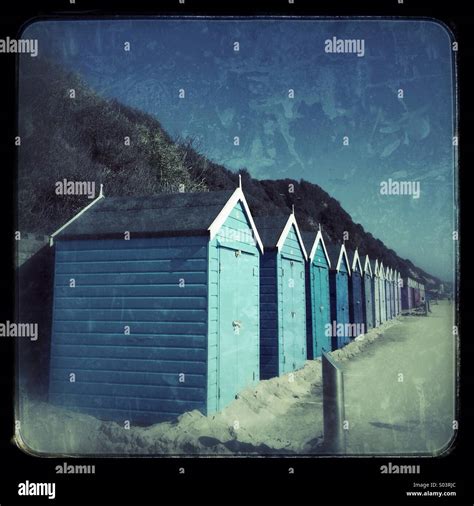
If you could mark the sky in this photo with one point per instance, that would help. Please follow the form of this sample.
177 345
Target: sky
353 122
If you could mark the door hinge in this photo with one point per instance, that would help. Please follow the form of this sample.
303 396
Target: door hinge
254 375
219 393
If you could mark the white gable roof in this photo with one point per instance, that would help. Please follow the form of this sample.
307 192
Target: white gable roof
356 262
237 196
343 254
314 248
377 268
286 230
367 266
381 271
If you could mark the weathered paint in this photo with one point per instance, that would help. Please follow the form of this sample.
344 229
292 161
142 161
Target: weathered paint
408 294
393 294
356 297
283 308
382 294
399 292
388 294
149 328
416 295
396 292
234 287
399 288
318 304
339 298
422 294
376 292
368 291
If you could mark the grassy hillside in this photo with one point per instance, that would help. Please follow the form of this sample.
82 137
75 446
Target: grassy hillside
85 139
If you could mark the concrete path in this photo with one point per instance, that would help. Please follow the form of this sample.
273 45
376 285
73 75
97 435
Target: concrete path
400 392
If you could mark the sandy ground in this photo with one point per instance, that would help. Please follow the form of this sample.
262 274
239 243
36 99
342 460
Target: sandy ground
284 415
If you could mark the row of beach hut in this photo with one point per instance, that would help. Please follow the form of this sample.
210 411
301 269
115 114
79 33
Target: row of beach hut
413 294
177 302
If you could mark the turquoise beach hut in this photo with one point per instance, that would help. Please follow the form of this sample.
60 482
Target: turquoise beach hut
318 310
339 295
156 306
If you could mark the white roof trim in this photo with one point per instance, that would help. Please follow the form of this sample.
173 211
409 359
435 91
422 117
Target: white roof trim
286 230
343 251
237 196
74 218
376 268
356 260
381 271
317 240
367 266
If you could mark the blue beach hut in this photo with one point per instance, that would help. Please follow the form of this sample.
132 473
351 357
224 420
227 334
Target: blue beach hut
318 311
339 295
393 302
156 306
356 296
282 296
407 294
369 310
383 295
416 294
397 292
388 292
374 264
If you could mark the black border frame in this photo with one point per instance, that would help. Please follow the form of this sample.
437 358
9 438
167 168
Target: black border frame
245 481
